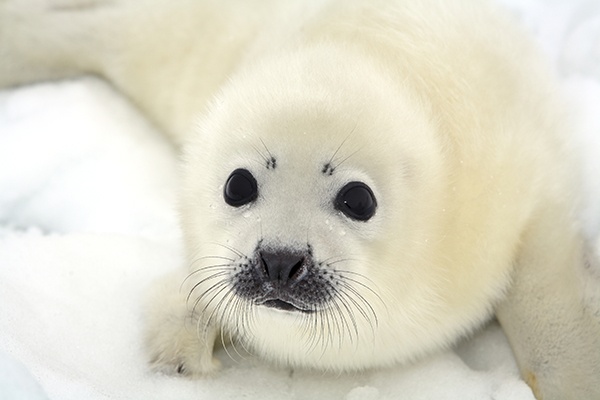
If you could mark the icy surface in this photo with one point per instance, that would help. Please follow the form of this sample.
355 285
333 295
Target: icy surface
87 220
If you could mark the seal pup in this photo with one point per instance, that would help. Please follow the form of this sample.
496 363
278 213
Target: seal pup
364 182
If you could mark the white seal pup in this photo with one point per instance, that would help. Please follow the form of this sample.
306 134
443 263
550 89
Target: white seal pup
366 182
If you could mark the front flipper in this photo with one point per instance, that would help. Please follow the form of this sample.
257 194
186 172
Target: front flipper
177 340
549 316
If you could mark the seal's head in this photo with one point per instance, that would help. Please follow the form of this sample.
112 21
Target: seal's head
314 210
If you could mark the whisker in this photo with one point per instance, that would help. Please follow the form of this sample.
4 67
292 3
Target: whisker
342 273
330 334
347 157
318 326
322 338
340 146
213 276
228 267
339 261
350 314
267 149
221 283
234 309
208 321
233 250
339 323
247 313
329 167
344 281
260 153
360 309
213 299
211 257
207 268
227 301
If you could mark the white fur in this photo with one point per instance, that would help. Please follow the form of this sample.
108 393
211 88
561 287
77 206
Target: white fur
442 108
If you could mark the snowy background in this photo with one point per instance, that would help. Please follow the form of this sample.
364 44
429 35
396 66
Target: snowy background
87 220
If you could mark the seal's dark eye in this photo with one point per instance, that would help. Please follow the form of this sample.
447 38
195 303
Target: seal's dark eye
356 201
240 188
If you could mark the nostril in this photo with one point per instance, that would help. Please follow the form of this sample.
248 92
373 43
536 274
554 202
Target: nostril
296 269
281 266
265 265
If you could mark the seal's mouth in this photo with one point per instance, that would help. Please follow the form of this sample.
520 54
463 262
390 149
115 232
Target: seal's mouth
284 305
284 280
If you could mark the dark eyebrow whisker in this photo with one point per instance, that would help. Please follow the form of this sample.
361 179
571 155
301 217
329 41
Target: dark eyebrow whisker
329 167
271 160
266 148
339 148
265 158
346 158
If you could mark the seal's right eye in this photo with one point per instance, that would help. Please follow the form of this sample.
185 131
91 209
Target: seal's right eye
240 188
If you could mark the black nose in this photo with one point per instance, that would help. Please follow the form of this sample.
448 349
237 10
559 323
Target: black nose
282 266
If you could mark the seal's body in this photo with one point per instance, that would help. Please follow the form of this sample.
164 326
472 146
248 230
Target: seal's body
364 182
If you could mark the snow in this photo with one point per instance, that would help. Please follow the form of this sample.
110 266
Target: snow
87 221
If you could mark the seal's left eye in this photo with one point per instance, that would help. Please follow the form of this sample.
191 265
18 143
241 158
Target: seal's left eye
240 188
356 201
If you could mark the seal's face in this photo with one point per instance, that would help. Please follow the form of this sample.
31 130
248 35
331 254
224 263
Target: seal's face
283 273
312 209
286 232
